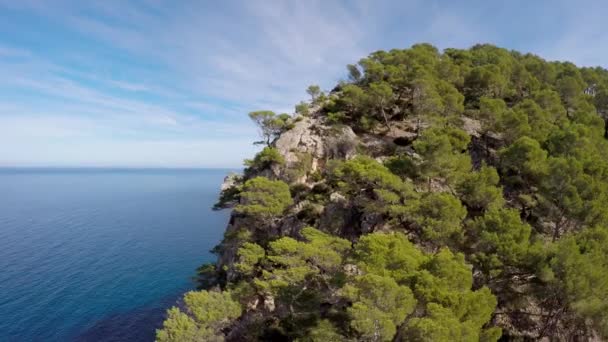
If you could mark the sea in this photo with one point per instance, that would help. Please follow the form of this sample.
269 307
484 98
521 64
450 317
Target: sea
101 254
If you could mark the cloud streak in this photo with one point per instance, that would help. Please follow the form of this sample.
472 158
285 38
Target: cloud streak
121 77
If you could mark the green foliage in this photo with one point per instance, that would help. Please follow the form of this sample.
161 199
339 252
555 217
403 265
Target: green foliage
486 80
336 118
301 167
264 198
379 306
539 120
452 101
529 217
210 308
524 162
206 314
354 74
403 166
389 255
440 215
581 276
569 88
443 278
303 108
425 97
442 281
270 124
364 173
499 239
490 112
391 278
229 196
206 276
372 187
454 313
266 158
480 190
442 325
447 280
550 101
366 107
324 331
249 255
295 260
441 152
571 197
386 280
314 91
179 327
512 125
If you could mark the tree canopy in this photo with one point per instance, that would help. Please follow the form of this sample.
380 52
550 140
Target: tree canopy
265 198
270 124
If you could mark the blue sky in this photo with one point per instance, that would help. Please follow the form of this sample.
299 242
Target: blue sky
170 83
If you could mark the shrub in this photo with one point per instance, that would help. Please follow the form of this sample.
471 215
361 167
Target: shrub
267 157
264 198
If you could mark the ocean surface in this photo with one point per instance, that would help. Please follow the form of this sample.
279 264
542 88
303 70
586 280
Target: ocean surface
100 254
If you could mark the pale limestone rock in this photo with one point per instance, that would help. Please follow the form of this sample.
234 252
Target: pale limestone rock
229 181
300 206
337 197
311 136
341 142
269 303
253 304
471 126
300 139
352 270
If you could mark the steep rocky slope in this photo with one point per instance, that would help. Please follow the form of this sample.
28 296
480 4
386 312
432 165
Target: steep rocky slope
435 196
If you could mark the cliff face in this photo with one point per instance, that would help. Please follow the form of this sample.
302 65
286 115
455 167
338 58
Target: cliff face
312 142
455 196
312 138
319 144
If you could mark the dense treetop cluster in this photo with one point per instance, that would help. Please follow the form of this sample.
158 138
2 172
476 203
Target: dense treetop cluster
489 218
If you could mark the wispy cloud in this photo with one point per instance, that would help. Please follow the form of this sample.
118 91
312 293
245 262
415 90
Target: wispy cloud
125 78
130 86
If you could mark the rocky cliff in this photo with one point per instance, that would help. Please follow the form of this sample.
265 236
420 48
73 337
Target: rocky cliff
435 196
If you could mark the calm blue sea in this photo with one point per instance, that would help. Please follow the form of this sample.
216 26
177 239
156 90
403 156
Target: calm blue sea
99 254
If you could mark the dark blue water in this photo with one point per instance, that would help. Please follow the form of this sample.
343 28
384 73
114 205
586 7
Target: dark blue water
98 255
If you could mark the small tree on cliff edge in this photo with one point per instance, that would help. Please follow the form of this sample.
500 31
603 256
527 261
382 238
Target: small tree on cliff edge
270 124
314 91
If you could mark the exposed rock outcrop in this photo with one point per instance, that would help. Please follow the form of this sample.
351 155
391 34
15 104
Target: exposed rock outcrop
311 137
304 137
230 181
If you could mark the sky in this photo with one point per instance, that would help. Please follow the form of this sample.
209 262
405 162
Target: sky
155 83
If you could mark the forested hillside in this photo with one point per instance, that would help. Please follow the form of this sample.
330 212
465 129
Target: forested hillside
456 195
